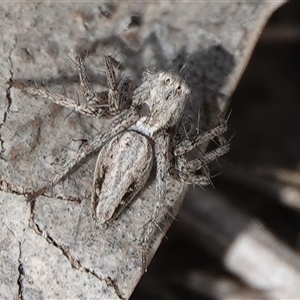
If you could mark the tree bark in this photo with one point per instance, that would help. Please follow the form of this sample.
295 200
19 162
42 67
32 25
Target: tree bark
53 248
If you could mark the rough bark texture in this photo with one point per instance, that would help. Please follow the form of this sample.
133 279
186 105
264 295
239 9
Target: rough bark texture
54 249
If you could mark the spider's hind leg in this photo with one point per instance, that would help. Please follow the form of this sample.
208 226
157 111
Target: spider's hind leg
196 171
188 170
187 145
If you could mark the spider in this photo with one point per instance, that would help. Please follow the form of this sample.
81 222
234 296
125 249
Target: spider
147 126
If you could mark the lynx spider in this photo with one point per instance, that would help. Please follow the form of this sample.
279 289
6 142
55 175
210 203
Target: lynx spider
146 125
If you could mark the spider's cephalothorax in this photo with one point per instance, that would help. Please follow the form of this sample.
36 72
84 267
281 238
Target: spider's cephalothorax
165 94
139 134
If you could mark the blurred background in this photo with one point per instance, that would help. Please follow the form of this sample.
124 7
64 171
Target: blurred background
240 237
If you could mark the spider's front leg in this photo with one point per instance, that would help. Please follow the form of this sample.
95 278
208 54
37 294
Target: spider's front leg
56 98
113 101
97 102
88 92
119 93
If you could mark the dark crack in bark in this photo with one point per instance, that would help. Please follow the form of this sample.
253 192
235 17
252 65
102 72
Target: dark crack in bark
14 189
67 253
8 95
21 274
20 268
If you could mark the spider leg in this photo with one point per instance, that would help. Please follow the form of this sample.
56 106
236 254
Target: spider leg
126 90
119 93
186 169
181 171
113 93
119 124
56 98
162 143
199 163
89 94
192 178
188 145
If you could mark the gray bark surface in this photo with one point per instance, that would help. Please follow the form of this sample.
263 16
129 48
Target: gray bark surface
53 248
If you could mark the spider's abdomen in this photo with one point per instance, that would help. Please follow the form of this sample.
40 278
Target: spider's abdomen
115 185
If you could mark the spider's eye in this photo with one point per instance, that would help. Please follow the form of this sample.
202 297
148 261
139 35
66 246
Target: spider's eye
167 80
179 88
